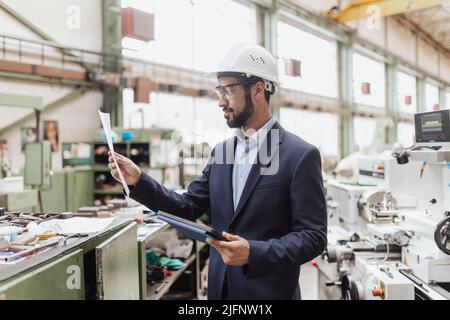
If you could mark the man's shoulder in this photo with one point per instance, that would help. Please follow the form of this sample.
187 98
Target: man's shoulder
296 144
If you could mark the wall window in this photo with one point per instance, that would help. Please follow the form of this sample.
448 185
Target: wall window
318 58
209 124
371 72
164 111
193 34
406 93
192 116
364 131
405 134
219 25
431 97
305 124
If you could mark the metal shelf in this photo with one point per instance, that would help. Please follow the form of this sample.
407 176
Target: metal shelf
157 290
200 245
153 233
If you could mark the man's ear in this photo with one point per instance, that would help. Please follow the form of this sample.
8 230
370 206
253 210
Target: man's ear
259 90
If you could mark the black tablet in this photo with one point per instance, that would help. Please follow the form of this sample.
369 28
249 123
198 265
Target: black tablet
189 228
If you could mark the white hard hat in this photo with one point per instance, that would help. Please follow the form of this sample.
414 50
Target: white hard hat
251 60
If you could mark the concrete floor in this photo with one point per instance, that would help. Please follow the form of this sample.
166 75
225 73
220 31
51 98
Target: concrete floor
309 278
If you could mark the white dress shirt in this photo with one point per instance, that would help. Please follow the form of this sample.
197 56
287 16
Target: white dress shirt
245 156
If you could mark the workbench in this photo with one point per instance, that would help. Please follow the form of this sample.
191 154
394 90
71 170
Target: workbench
110 264
100 266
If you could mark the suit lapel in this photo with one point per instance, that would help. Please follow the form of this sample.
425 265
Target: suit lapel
227 176
267 151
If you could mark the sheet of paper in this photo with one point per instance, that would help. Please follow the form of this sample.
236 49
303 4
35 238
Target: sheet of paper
77 225
106 123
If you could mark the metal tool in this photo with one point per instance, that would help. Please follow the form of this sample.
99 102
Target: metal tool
75 235
387 271
30 251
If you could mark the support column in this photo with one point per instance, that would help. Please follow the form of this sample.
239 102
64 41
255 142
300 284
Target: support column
443 103
421 107
112 46
345 86
267 35
391 103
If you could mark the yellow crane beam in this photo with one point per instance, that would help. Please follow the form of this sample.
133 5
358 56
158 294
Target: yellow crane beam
360 9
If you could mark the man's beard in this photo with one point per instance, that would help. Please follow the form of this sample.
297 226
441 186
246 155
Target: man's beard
240 119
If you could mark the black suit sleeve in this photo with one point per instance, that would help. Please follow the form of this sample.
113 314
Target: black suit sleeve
308 236
189 205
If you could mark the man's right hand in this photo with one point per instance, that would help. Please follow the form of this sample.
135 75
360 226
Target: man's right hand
130 171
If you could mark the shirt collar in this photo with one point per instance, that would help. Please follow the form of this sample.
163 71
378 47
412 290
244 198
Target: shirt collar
259 135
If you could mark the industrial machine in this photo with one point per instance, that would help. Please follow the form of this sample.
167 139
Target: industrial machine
397 222
375 279
353 206
37 156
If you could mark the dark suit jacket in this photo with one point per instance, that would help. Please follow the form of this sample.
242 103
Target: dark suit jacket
282 215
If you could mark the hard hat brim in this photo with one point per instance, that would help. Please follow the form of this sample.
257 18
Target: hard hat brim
211 74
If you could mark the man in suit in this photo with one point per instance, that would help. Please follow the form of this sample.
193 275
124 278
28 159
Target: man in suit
263 187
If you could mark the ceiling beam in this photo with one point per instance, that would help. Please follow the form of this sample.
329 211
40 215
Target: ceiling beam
438 22
79 91
32 27
422 34
21 101
17 16
360 9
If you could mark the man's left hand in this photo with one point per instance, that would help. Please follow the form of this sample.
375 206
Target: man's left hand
234 252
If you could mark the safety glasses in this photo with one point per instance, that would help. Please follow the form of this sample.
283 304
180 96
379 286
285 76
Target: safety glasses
229 91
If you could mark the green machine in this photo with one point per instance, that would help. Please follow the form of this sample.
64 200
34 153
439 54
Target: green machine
37 155
71 189
25 200
38 163
37 176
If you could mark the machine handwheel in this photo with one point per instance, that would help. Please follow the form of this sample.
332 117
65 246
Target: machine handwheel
349 288
442 235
